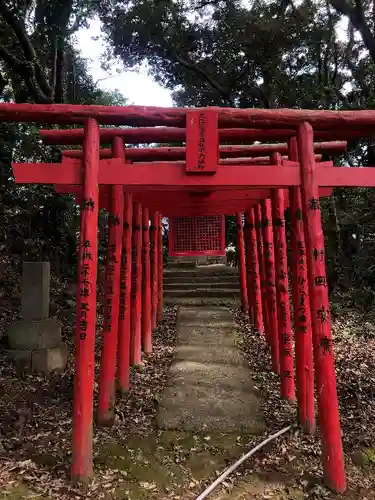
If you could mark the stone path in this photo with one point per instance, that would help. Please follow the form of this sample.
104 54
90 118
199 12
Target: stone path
210 386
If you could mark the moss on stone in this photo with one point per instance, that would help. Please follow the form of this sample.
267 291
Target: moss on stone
148 464
365 457
19 492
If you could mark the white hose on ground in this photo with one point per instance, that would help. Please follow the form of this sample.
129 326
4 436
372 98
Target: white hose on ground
233 467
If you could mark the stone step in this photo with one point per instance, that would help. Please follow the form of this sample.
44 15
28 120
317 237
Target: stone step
198 408
186 264
210 317
202 285
201 301
210 386
203 292
206 336
214 355
213 270
225 278
187 373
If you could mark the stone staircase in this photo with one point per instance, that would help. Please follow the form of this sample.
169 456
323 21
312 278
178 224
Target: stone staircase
210 386
189 284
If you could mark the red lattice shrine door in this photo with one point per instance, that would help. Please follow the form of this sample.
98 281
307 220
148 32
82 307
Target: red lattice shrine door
204 235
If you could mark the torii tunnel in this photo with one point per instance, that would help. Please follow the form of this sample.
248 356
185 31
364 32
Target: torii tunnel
208 177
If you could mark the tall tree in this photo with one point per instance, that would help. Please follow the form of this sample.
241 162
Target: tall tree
223 53
277 53
361 15
35 45
39 63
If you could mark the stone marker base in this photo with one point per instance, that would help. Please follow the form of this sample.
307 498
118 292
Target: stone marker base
40 360
33 335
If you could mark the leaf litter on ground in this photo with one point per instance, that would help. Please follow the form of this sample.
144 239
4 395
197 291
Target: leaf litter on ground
35 419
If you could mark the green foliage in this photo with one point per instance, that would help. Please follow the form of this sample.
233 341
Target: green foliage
267 54
223 53
277 53
38 63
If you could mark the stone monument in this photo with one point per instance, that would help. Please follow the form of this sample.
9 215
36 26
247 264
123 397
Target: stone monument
35 341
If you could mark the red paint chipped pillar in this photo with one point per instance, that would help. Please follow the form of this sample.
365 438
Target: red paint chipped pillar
108 359
301 307
82 468
269 265
124 328
160 269
241 262
154 268
282 292
253 264
136 295
262 272
333 458
146 285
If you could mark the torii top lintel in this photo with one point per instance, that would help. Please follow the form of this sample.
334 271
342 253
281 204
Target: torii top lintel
234 152
176 117
201 133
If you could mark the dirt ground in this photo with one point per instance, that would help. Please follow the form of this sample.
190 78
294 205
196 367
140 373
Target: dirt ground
135 460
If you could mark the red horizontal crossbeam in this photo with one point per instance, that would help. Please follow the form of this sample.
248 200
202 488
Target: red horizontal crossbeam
115 171
158 176
260 160
176 153
176 117
216 203
146 135
176 198
214 197
161 135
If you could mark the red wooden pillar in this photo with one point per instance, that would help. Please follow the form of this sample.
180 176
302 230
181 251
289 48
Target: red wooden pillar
269 264
262 272
301 307
82 469
254 272
333 459
160 269
249 281
282 292
108 359
154 268
241 262
146 285
136 300
123 374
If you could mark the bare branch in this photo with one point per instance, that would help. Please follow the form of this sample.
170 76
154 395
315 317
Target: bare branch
9 58
284 4
78 20
19 30
26 71
357 17
205 3
3 83
224 92
241 75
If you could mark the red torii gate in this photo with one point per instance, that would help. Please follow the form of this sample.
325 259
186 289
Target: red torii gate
195 235
268 301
